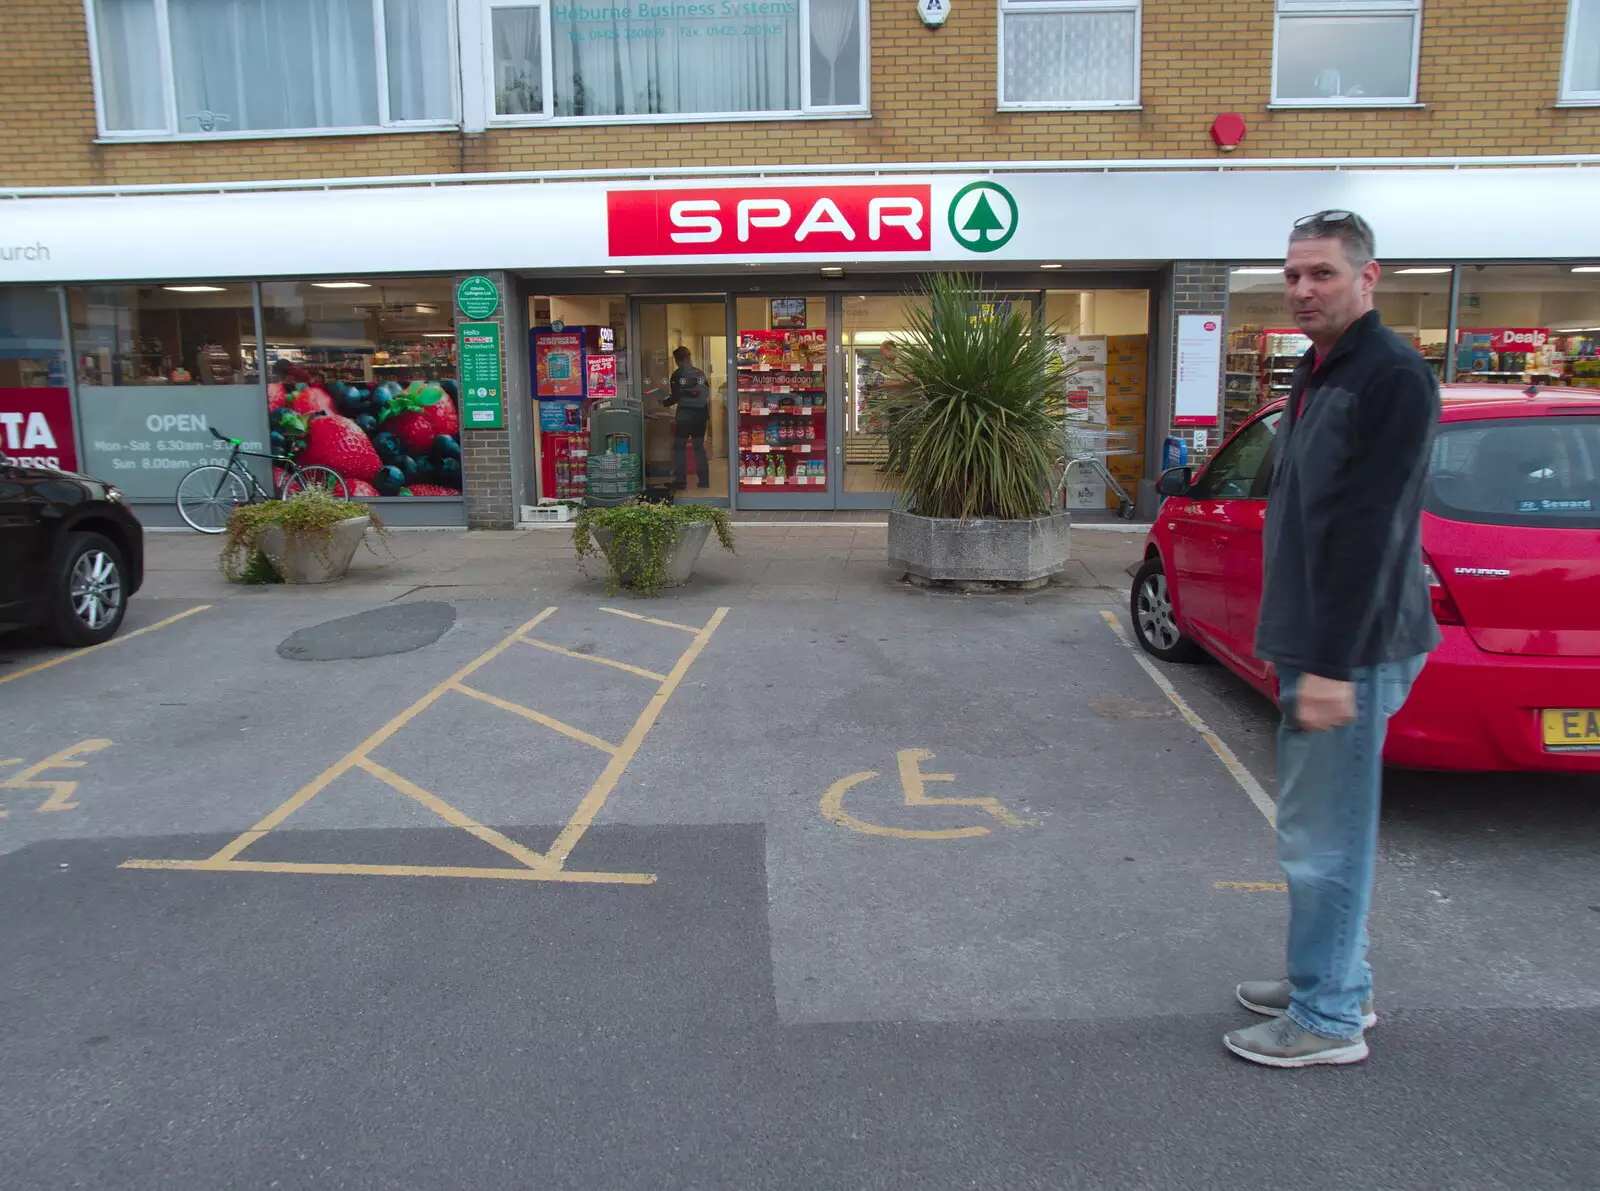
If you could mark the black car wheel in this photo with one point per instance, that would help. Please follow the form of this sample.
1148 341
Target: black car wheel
89 591
1154 623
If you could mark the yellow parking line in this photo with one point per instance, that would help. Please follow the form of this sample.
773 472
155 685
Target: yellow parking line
78 653
589 657
666 624
1253 886
1243 776
349 761
454 817
607 781
537 717
392 870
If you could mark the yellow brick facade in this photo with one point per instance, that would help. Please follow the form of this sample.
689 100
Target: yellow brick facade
1489 81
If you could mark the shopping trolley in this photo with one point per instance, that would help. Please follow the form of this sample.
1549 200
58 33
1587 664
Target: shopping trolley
1087 446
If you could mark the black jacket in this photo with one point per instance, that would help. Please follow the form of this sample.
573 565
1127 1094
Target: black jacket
691 393
1344 586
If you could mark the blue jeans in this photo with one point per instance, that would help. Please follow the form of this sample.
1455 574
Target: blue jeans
1329 796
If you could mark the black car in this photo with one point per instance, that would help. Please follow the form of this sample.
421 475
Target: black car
71 553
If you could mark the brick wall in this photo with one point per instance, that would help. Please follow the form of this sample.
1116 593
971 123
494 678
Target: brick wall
488 469
1489 79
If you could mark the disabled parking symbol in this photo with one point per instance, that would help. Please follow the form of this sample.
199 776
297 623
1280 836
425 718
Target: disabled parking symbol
914 783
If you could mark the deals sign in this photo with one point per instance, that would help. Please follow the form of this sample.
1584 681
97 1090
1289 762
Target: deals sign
36 428
841 219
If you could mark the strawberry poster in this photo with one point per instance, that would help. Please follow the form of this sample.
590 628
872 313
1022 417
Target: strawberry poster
36 427
386 438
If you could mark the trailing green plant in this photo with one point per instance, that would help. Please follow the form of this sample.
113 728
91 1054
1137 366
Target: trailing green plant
642 537
311 514
975 411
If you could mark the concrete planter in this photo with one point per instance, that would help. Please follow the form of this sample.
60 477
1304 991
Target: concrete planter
680 563
313 557
980 555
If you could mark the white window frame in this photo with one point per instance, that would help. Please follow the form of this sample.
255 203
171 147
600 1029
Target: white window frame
1569 95
807 110
1333 10
174 130
1045 8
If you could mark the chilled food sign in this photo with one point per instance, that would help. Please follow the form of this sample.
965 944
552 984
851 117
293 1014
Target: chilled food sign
771 221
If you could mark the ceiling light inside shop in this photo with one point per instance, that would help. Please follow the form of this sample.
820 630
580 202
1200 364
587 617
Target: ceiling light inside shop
1259 271
832 271
1586 268
438 334
195 289
1576 330
616 272
341 285
1049 266
1440 269
421 309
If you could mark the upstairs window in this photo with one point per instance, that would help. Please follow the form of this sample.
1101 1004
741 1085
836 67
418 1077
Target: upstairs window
609 60
221 67
1580 81
1069 53
1346 53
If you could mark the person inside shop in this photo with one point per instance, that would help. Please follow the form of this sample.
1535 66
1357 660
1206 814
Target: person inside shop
689 396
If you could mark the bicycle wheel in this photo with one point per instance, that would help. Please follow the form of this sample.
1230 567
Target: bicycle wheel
306 479
208 495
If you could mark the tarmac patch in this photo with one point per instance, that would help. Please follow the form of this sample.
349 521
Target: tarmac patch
397 628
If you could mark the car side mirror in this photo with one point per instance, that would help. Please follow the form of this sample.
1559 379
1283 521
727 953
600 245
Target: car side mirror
1175 481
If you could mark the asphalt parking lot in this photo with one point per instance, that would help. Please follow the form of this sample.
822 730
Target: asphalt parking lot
307 890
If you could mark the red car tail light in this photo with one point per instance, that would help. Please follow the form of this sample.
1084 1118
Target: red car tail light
1444 608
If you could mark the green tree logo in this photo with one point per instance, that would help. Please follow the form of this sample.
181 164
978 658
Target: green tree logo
983 216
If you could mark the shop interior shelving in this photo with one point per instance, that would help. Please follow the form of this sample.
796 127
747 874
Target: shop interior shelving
783 427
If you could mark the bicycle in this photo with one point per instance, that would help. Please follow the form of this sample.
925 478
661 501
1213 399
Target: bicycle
208 494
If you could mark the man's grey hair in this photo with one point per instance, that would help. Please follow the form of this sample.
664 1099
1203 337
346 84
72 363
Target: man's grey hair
1352 231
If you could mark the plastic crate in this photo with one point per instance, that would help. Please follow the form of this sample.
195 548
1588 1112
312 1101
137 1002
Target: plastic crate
541 513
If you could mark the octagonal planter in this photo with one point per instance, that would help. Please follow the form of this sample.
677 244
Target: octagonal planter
980 555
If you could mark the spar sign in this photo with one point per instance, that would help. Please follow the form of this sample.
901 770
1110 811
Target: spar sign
36 428
771 221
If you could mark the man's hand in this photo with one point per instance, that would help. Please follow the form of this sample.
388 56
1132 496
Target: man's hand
1324 703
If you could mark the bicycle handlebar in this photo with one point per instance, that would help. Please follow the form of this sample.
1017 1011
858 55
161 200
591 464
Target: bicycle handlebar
215 433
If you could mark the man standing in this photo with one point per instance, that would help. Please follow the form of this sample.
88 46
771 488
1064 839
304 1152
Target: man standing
1346 620
691 395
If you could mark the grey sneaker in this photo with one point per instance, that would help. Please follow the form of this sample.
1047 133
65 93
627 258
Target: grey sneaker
1283 1043
1270 998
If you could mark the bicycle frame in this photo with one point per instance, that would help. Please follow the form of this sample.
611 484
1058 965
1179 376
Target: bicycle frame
257 492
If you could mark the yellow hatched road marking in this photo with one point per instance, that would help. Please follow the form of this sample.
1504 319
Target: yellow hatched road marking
78 653
666 624
351 759
546 866
537 717
393 870
589 657
454 817
607 781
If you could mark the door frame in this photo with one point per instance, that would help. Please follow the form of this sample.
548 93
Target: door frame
636 304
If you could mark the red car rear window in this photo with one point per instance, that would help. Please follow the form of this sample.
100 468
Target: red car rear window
1518 471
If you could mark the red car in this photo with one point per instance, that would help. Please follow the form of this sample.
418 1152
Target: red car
1511 534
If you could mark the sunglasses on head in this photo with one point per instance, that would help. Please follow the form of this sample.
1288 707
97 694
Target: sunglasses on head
1330 217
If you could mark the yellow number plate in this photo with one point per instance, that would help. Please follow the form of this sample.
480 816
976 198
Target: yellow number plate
1571 728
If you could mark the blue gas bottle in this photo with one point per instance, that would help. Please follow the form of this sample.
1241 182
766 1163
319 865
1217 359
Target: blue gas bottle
1174 453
